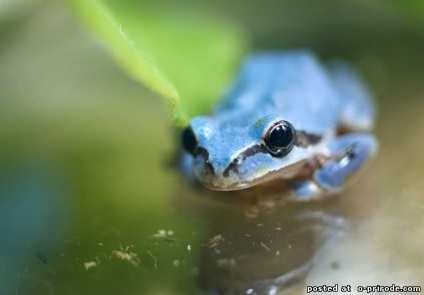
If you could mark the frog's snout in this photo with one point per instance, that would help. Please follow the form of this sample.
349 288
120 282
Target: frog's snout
216 177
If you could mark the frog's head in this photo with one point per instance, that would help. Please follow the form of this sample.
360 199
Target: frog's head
232 157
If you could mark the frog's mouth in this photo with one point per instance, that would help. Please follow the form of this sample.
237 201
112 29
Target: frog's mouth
233 182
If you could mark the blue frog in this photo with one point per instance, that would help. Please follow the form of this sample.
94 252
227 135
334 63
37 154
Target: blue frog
288 117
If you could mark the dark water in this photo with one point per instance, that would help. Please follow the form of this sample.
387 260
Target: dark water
89 203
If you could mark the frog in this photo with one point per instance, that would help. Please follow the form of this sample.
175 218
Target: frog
286 118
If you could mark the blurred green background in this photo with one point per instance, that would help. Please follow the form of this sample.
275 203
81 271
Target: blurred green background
89 200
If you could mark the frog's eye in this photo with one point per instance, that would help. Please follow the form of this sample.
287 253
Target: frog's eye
189 141
279 139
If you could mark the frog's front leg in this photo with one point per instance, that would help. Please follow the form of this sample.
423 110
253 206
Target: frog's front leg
345 155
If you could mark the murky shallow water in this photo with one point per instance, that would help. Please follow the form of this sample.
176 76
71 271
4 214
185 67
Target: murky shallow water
89 205
370 235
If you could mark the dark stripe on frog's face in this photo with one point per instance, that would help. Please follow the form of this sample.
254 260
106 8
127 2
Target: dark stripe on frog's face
253 150
302 139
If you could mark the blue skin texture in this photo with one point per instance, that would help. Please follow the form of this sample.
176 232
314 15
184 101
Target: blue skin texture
318 100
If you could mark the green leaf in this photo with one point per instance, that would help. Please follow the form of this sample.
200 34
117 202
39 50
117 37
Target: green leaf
410 11
185 56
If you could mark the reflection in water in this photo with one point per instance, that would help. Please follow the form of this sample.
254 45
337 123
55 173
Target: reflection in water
32 211
266 254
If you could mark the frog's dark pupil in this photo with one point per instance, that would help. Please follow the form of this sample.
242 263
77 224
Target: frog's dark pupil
281 136
189 141
279 139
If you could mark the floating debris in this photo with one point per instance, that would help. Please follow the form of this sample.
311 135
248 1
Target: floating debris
215 240
164 236
189 248
265 246
90 264
130 257
154 258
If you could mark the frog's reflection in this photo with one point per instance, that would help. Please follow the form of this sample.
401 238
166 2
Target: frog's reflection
266 254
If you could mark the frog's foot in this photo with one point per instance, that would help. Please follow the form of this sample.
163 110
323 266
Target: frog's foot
346 156
306 190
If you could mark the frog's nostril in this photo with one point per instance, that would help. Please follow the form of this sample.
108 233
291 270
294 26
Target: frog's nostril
209 167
